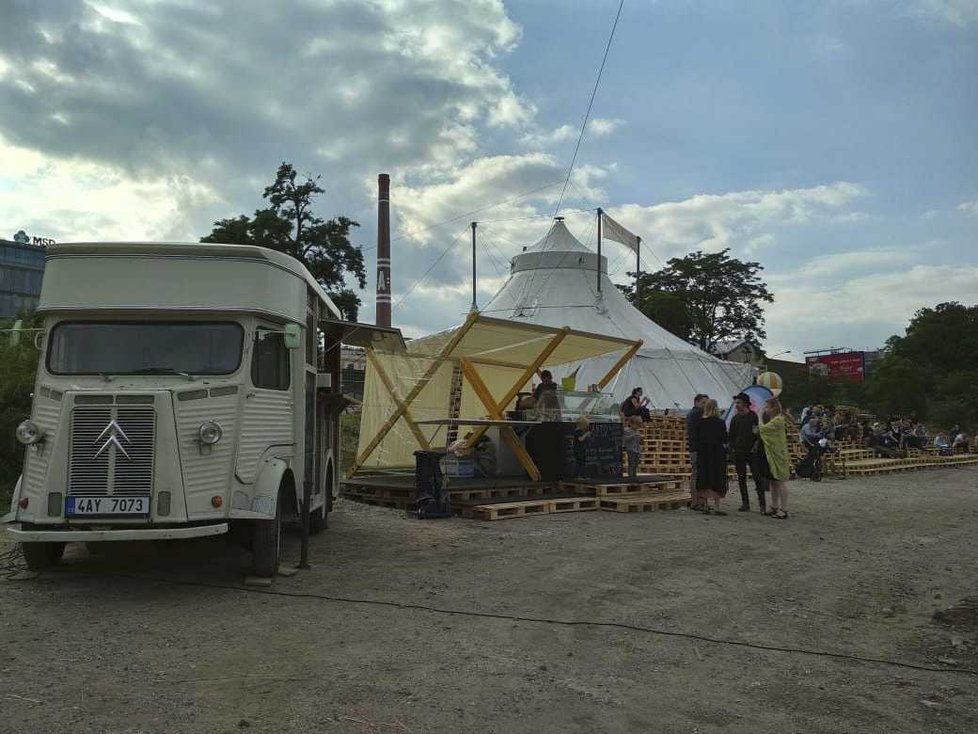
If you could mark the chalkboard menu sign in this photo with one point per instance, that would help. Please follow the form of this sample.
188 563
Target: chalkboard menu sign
602 452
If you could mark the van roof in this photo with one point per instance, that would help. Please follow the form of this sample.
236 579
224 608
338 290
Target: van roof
195 250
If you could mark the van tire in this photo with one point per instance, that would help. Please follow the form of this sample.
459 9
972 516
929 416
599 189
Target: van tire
40 556
267 542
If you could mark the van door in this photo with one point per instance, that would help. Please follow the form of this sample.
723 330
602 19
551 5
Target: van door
268 415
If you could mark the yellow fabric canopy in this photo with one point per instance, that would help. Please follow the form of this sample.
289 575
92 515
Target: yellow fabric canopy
426 382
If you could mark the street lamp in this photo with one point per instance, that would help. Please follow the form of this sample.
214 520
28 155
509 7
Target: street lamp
787 351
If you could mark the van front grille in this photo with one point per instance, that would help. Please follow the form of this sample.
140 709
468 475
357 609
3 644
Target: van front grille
112 451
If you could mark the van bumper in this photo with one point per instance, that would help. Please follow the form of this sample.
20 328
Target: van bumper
80 536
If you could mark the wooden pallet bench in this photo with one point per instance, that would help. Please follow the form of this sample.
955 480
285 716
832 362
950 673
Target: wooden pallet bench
673 501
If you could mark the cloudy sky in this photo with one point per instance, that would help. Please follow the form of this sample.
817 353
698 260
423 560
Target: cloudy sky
834 142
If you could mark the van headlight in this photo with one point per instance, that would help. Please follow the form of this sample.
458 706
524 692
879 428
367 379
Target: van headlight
28 432
210 432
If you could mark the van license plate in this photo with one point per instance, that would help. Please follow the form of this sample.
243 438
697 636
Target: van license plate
107 506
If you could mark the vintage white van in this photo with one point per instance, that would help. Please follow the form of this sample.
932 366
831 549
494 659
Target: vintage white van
182 390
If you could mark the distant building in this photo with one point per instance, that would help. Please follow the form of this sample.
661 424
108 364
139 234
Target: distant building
738 350
353 365
21 270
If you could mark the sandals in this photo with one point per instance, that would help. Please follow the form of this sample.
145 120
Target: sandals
780 515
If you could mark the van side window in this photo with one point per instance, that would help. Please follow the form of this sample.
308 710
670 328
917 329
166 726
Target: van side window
270 361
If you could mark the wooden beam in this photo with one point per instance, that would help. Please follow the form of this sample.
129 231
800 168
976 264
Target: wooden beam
416 390
523 378
507 433
408 418
620 363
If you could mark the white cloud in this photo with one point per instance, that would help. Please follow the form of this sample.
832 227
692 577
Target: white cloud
968 207
959 13
180 89
79 200
864 310
850 262
601 126
714 221
597 127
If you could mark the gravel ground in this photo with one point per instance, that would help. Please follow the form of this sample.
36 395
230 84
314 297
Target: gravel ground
408 626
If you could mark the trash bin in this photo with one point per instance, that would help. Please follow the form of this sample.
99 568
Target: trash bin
430 498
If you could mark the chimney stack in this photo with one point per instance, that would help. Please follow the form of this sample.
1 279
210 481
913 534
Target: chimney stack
383 314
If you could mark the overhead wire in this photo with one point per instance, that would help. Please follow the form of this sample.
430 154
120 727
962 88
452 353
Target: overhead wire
430 268
590 104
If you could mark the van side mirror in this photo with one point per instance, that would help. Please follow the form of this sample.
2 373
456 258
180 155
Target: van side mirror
293 336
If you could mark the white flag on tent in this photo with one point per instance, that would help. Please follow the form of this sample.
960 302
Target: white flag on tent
614 231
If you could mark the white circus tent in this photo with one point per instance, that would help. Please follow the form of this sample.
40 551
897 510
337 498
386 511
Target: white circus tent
554 283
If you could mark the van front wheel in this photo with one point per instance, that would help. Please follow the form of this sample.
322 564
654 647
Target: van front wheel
267 542
42 555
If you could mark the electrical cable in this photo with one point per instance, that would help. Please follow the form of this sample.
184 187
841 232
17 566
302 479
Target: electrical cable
550 621
590 104
432 267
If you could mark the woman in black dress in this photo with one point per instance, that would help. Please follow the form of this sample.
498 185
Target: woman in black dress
711 458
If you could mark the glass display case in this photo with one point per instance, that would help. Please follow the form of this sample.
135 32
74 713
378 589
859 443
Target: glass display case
569 405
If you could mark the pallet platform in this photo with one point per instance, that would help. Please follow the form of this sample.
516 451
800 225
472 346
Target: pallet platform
674 501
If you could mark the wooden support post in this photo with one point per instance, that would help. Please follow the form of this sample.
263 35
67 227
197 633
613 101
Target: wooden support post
527 374
408 418
415 391
495 412
620 363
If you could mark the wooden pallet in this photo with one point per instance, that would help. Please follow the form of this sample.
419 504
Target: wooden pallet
674 501
574 504
498 493
606 489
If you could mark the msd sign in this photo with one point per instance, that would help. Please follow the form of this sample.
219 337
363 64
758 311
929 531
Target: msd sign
848 365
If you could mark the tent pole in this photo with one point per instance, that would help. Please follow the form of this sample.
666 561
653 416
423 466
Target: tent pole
638 267
616 368
415 391
600 212
475 305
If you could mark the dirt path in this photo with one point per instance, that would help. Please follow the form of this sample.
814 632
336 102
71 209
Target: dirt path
146 640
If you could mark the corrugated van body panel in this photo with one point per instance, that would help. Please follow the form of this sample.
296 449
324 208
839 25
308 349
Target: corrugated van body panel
46 414
267 420
206 470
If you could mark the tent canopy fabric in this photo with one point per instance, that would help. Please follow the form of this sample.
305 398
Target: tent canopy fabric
425 381
554 282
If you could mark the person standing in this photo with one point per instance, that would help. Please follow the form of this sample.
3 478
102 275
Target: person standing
631 442
711 457
774 436
742 440
582 437
693 418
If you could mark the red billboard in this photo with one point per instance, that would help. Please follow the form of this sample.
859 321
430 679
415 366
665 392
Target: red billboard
846 365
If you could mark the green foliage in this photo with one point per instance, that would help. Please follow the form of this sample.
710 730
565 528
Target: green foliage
705 298
349 438
18 363
289 225
931 371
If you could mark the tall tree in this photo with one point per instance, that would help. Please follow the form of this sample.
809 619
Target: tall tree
705 298
289 225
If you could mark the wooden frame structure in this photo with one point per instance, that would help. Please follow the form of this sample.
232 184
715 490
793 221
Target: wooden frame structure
523 339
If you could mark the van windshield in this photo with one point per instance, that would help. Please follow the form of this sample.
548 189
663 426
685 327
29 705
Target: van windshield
154 348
